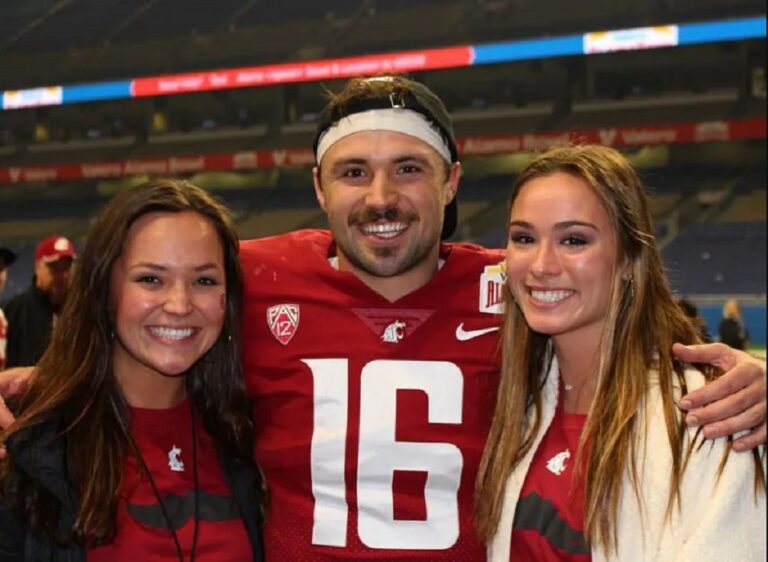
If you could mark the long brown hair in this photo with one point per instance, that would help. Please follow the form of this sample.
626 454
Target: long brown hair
74 384
642 322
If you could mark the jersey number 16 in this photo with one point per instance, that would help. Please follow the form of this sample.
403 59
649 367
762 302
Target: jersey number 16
380 454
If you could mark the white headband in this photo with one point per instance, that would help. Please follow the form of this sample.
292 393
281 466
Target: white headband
399 120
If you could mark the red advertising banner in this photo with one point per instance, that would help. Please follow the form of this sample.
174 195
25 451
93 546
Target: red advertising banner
368 65
617 137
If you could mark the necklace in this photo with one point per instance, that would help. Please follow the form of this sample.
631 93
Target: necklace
569 386
566 385
156 492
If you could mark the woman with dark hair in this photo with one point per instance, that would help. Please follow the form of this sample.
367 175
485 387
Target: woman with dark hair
589 457
134 440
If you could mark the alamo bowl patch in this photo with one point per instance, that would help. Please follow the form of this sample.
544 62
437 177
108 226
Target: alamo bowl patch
492 289
283 321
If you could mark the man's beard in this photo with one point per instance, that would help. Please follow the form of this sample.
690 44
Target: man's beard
376 261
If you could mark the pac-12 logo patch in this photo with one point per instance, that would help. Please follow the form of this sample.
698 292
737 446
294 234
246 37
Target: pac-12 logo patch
283 320
492 288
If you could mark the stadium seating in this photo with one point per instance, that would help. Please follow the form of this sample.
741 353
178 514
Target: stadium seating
718 258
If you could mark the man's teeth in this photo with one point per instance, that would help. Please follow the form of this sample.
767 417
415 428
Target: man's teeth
550 296
171 333
384 230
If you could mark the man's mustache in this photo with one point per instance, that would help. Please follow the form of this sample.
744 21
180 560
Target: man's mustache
181 509
391 214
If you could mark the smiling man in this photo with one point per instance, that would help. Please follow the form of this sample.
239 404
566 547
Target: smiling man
376 343
383 179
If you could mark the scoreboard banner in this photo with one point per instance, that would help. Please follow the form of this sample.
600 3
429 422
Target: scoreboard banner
595 42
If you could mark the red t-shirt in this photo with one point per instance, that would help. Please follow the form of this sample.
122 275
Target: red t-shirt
370 416
164 438
549 518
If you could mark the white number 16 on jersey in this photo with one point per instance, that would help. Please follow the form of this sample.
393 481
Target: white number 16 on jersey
380 454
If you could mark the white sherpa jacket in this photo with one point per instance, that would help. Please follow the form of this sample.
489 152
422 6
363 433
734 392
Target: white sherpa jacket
719 520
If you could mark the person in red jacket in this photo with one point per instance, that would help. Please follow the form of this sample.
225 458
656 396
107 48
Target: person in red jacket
33 314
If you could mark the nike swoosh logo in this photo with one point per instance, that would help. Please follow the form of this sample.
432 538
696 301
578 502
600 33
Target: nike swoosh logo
464 335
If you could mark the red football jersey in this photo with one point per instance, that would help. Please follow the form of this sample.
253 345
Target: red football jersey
370 416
